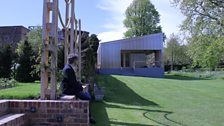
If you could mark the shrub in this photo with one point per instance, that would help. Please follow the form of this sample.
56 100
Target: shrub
26 63
6 57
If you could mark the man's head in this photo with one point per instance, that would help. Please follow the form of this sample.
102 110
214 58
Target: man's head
72 58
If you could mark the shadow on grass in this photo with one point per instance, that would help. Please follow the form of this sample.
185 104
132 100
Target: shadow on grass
119 96
165 113
118 92
128 124
146 112
101 115
181 77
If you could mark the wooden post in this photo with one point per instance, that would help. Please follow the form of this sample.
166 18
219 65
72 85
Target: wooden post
72 26
54 50
66 33
50 40
80 50
44 55
76 34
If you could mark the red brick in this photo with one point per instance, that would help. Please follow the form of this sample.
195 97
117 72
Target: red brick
73 124
86 104
84 116
84 125
25 104
74 112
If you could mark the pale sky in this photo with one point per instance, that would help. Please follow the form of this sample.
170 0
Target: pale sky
101 17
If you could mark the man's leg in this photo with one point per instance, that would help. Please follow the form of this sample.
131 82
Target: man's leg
84 96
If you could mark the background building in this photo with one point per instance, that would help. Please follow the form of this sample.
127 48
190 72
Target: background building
12 34
139 56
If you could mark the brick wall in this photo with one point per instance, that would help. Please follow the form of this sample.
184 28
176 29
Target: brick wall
3 107
52 113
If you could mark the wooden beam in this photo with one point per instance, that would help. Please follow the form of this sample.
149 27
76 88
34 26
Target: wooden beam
72 26
80 51
49 6
54 43
75 36
66 33
44 56
50 40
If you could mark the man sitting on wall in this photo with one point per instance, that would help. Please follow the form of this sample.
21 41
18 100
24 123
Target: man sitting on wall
70 85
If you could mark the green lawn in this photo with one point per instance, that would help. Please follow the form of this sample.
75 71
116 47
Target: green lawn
171 101
21 91
139 101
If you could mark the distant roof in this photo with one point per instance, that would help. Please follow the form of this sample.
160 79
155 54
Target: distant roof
133 38
10 27
82 31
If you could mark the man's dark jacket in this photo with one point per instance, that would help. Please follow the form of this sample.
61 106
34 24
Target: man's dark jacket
70 85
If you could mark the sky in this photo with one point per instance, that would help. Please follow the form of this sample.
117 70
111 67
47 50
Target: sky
101 17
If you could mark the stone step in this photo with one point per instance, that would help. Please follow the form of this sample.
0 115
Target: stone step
13 120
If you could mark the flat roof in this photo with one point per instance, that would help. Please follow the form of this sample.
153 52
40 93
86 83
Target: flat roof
133 38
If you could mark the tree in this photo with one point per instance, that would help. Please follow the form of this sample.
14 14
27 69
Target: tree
89 65
202 16
94 42
6 61
35 39
26 61
175 53
141 19
206 51
90 47
204 28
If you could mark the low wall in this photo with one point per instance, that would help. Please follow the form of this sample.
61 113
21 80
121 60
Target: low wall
51 113
144 72
4 105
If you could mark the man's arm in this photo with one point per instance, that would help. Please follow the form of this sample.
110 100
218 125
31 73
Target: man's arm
73 83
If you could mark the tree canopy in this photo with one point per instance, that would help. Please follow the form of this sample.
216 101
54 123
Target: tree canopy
141 19
6 60
202 16
90 55
204 30
175 52
26 61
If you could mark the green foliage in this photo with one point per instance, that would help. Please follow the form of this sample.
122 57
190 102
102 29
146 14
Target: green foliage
204 29
6 60
214 53
202 16
26 61
94 43
141 19
89 66
176 51
7 83
90 56
206 51
35 39
204 73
